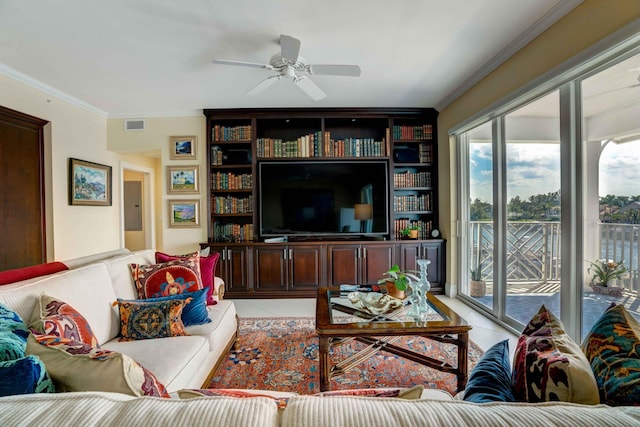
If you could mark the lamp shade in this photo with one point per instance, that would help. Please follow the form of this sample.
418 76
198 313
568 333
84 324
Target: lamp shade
363 211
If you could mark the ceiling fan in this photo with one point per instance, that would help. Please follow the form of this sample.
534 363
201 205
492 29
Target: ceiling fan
288 64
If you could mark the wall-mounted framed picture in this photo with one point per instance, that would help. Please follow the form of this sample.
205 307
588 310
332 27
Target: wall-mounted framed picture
89 183
182 148
184 213
183 179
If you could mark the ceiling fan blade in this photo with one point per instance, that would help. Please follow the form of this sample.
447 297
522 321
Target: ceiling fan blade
334 70
242 64
260 87
310 88
289 48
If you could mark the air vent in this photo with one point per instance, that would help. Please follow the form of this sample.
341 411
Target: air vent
130 125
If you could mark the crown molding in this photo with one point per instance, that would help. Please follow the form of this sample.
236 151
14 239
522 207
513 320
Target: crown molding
554 15
36 84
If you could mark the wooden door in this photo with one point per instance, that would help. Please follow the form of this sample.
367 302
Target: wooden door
343 264
22 191
304 267
270 268
376 259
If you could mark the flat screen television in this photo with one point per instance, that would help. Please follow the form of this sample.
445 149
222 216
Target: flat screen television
312 198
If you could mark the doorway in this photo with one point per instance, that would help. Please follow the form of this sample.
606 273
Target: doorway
138 227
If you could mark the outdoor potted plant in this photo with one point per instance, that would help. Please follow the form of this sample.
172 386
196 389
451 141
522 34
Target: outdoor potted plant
410 232
477 286
603 273
397 281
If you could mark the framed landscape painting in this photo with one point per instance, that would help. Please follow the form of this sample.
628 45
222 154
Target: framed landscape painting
183 179
182 148
184 213
89 183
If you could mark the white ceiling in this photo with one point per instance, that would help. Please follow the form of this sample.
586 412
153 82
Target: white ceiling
144 58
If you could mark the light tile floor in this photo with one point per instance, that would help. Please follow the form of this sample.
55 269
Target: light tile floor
485 332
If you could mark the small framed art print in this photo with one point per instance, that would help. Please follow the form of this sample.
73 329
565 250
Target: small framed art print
183 179
184 213
89 183
182 148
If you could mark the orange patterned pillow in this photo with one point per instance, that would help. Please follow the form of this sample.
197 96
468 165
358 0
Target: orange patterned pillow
169 278
140 320
55 317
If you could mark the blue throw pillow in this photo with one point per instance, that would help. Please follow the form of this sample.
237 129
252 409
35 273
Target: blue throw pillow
194 313
24 376
490 380
13 335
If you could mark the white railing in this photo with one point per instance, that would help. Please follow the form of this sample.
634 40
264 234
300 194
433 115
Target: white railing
533 250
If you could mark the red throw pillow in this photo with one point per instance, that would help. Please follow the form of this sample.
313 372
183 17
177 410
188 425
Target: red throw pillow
58 318
169 278
207 271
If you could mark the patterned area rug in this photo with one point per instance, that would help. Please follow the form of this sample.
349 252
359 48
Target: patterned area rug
282 354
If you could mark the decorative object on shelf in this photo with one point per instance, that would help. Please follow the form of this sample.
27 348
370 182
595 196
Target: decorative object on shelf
603 273
435 233
183 179
374 302
397 281
89 183
184 213
411 231
363 212
419 290
477 286
182 148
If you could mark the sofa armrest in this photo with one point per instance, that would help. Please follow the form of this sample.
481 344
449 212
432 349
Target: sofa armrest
219 287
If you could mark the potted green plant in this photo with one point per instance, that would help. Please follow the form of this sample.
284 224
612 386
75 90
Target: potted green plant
477 286
603 272
410 232
397 281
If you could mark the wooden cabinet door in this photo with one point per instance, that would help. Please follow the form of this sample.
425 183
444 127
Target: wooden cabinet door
305 267
343 264
376 259
236 269
270 268
409 254
431 250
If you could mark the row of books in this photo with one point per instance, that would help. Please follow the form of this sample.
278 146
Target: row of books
231 133
232 205
421 132
411 179
232 232
319 145
425 153
412 203
231 181
216 155
400 224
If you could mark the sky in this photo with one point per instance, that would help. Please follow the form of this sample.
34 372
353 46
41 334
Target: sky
535 169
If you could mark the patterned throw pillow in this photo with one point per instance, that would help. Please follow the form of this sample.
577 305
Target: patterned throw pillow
76 366
207 271
169 278
549 366
490 379
612 347
13 335
25 375
280 398
193 313
143 319
55 317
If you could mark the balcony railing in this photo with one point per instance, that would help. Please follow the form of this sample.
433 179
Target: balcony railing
533 250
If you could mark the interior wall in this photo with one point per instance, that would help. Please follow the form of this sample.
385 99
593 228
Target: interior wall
587 24
155 138
73 231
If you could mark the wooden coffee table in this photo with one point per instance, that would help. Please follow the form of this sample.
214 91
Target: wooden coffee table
337 322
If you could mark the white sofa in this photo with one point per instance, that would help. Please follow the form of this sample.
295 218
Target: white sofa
91 286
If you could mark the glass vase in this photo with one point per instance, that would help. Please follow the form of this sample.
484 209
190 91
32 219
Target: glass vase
419 289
